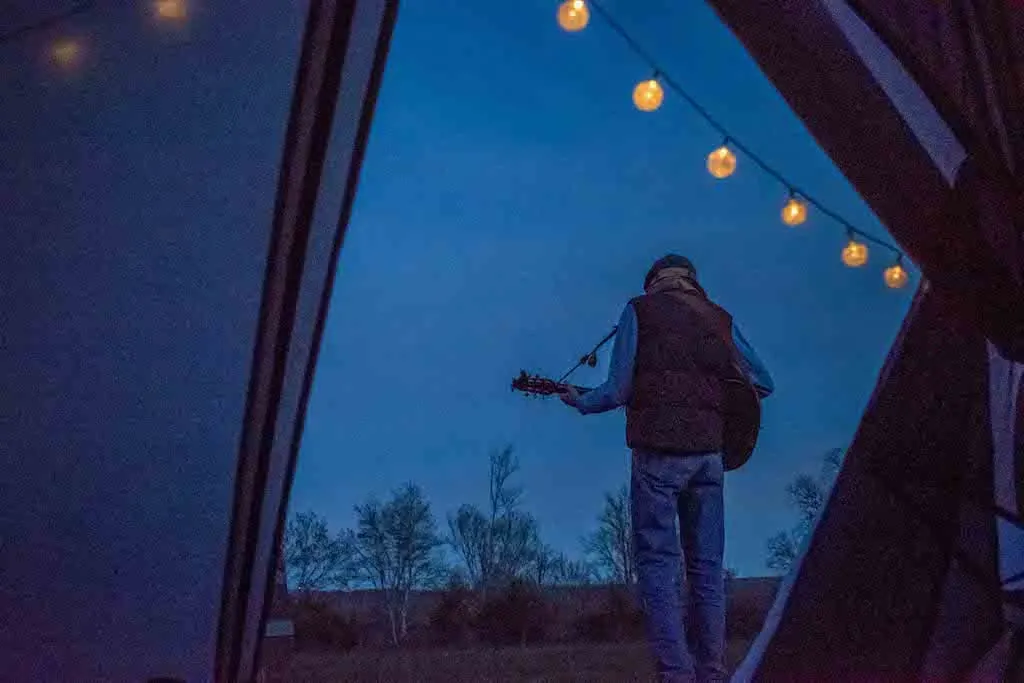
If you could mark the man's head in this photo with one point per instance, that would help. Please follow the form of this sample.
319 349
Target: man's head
677 263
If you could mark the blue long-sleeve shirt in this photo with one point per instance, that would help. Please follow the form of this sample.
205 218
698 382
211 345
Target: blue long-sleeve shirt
618 388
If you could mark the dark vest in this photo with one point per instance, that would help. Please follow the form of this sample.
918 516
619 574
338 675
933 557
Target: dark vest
682 358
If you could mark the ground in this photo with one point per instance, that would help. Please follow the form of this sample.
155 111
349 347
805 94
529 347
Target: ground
613 663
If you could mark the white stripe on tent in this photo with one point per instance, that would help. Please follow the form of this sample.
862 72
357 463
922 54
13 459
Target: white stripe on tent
930 129
1004 377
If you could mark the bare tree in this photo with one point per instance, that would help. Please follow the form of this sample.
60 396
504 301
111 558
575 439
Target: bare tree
611 546
552 568
397 542
566 572
498 544
314 559
807 495
469 536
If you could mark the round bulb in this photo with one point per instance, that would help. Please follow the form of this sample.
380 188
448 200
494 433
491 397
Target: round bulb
573 15
171 9
66 52
722 162
648 95
896 277
794 212
855 254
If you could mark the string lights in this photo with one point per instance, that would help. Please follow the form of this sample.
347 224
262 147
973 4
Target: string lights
896 276
573 15
794 212
67 52
648 96
722 162
177 9
855 254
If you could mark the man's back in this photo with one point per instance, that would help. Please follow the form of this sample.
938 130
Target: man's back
673 351
682 361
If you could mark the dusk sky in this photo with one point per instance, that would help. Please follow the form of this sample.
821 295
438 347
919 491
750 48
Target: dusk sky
511 201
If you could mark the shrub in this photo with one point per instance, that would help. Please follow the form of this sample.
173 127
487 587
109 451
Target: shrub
743 620
619 619
516 616
318 625
452 621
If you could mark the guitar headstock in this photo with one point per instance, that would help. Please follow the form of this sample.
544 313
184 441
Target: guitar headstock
535 385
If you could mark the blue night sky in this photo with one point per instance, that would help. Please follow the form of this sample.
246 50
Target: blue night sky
511 201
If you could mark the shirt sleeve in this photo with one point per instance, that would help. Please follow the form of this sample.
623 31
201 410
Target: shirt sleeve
752 365
618 388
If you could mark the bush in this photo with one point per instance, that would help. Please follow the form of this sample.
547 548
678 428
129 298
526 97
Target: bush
744 620
516 616
451 622
317 625
620 619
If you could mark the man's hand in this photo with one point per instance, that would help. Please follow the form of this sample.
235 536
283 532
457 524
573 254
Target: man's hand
570 397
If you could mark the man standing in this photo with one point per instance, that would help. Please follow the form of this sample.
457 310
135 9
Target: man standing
673 350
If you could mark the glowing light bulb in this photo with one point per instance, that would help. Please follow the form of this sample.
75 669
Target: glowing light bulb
855 254
722 162
648 95
794 212
573 15
896 276
66 53
171 9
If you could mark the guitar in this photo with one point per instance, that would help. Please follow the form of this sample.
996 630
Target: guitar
742 413
535 385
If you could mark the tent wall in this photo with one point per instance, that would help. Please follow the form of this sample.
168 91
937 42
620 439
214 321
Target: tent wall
164 280
343 60
902 577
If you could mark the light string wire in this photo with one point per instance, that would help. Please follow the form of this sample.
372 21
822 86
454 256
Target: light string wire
662 75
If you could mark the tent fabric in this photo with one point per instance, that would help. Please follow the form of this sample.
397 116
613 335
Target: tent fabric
882 577
967 56
344 52
138 192
912 570
152 400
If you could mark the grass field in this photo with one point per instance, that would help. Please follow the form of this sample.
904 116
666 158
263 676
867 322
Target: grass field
614 663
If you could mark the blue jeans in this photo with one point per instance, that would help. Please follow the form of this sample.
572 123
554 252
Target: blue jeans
688 489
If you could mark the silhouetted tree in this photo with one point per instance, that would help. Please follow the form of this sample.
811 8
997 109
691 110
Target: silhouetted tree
611 546
551 568
398 544
314 559
807 495
499 544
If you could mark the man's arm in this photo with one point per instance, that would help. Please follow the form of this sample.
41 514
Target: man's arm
618 387
752 365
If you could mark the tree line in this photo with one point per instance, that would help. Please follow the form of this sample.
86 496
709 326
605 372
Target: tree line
490 560
397 547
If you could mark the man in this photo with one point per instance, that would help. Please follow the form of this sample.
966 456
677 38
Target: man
672 352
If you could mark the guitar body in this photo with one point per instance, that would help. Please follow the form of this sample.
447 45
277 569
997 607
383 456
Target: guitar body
742 413
742 423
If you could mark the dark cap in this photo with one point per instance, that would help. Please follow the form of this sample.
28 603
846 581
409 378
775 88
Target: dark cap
669 261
